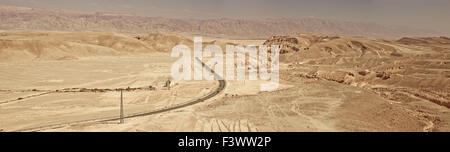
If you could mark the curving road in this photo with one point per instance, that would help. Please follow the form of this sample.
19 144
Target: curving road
220 88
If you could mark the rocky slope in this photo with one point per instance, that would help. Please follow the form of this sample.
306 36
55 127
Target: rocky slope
411 72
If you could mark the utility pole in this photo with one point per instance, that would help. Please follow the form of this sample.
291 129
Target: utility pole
121 106
168 84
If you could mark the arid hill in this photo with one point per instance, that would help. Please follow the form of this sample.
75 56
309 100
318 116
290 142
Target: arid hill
328 82
406 71
164 42
23 46
24 18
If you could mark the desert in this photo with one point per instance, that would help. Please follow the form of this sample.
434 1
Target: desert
67 77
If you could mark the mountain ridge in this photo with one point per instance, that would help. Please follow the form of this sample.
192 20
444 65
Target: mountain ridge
41 19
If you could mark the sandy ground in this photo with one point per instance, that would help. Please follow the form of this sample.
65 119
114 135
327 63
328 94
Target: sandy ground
96 72
315 93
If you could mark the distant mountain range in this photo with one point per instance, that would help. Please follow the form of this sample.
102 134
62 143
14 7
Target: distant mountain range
24 18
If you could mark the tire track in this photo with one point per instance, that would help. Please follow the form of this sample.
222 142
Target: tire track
25 97
68 90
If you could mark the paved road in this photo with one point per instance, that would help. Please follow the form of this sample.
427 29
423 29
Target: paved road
219 89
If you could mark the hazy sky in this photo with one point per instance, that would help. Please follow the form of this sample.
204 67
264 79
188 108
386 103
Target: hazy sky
427 14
